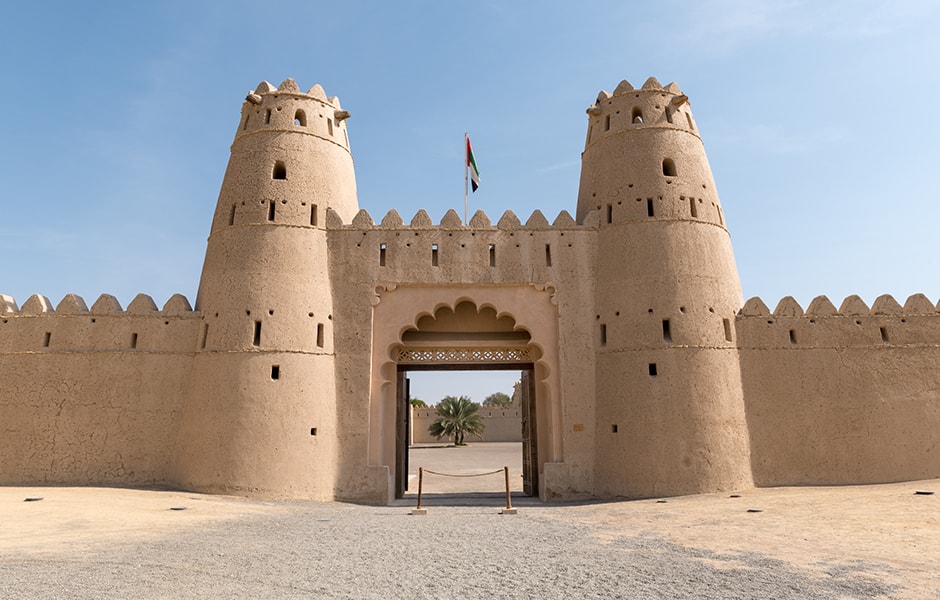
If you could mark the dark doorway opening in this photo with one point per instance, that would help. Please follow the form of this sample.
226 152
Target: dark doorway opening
444 455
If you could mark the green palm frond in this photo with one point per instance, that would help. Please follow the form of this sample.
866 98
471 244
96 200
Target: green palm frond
457 417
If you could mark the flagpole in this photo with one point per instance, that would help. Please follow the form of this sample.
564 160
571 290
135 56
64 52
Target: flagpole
466 178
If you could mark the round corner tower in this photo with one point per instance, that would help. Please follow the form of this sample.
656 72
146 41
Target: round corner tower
261 412
670 409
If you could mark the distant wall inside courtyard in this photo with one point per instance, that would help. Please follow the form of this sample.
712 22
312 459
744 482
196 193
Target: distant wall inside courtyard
501 425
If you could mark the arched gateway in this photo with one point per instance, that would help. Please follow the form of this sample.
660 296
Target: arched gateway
421 328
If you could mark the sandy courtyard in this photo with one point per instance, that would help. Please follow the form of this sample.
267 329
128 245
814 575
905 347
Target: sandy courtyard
821 542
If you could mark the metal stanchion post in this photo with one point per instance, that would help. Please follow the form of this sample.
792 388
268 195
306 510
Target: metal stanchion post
509 510
418 510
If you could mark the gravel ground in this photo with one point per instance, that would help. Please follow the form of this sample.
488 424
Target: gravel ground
334 550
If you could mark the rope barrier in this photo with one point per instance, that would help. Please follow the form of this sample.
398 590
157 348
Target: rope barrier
421 471
462 475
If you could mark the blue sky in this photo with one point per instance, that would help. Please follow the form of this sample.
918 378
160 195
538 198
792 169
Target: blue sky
818 119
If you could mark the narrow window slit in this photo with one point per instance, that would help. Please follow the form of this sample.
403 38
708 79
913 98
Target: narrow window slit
548 255
382 248
692 208
271 206
133 341
231 216
492 255
319 335
688 117
433 255
275 372
205 336
313 215
652 369
256 341
329 126
280 171
667 333
727 325
603 334
607 123
267 117
649 208
610 213
46 338
613 428
792 337
884 334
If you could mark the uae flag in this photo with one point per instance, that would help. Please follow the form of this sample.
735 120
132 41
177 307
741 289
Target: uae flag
472 165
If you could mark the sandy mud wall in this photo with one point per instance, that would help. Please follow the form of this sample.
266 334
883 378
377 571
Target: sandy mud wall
847 396
91 397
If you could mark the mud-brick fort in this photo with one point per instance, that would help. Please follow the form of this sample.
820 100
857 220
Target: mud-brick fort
644 371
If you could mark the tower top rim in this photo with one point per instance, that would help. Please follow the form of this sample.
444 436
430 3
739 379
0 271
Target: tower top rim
289 87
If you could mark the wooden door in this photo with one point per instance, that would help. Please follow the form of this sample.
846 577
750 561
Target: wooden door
402 441
530 464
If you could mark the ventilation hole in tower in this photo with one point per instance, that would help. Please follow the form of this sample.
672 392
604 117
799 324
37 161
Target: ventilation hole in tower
382 248
256 339
548 255
792 337
280 171
669 167
652 369
613 428
271 312
682 309
275 372
313 431
884 334
133 341
433 255
667 333
636 115
319 335
727 325
300 118
603 335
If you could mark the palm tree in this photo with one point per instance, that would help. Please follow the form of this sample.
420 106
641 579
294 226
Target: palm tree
457 417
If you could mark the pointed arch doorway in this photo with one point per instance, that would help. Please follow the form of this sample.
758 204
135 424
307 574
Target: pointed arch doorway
464 328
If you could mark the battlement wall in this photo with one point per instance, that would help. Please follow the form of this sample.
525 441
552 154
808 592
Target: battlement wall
841 396
631 109
92 396
452 253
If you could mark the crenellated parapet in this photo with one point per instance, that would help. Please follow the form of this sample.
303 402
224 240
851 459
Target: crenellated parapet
854 324
627 108
490 251
71 326
286 108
